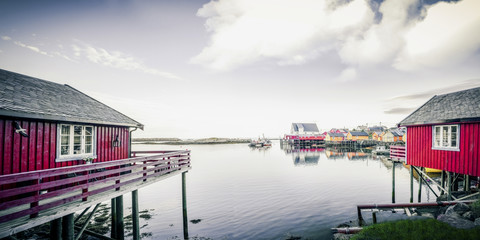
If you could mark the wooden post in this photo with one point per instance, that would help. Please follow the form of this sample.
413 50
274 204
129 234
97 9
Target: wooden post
56 229
119 223
411 184
184 206
374 217
113 233
420 186
467 183
393 182
442 182
135 216
68 227
449 186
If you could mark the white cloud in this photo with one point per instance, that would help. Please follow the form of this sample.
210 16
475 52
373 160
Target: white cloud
291 32
33 48
348 74
449 32
381 41
116 59
295 32
6 38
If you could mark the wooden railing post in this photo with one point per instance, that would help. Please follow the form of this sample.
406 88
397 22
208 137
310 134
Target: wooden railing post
35 194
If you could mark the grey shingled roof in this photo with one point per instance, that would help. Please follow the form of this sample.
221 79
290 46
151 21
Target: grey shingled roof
29 97
307 127
462 106
359 133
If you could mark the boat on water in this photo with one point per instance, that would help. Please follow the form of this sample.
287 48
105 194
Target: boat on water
381 150
260 143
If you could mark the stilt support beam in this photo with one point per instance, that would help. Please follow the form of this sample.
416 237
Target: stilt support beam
184 206
119 225
56 229
135 216
68 227
411 184
393 181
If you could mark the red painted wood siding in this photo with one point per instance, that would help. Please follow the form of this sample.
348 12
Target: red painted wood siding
465 161
38 151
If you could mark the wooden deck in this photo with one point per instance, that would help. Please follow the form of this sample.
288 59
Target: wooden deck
33 198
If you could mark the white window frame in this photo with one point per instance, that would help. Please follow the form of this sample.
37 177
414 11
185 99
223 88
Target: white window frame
71 155
448 145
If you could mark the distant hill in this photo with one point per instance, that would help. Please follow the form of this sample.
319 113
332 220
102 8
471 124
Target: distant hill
177 141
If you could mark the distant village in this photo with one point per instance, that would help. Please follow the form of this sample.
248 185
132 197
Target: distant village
310 131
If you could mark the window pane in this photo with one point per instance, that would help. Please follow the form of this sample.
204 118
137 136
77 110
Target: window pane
77 149
88 140
454 136
64 150
445 136
77 140
65 130
65 140
437 136
88 131
88 148
77 130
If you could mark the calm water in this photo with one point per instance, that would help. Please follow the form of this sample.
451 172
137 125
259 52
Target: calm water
244 193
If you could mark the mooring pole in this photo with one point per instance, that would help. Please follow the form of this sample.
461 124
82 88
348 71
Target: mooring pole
420 186
442 182
68 227
135 216
119 224
56 229
449 186
411 183
467 183
113 233
184 206
393 182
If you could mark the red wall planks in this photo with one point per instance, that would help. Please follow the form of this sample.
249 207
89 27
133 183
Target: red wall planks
38 151
464 161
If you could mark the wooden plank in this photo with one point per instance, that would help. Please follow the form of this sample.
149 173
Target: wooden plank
31 146
46 146
16 151
7 149
24 148
2 140
39 148
53 145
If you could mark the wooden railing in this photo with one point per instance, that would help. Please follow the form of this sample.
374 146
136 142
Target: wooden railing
45 195
398 153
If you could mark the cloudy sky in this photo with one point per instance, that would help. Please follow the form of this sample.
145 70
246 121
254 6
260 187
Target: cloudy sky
242 68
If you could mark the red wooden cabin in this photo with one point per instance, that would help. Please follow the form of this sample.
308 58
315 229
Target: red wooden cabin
444 133
64 126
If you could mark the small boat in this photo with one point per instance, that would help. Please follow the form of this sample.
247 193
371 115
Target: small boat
381 150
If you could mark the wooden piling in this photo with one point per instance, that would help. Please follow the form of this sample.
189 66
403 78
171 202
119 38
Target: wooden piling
184 206
411 184
56 229
374 217
393 181
449 186
119 225
113 233
467 183
420 186
135 216
442 182
68 227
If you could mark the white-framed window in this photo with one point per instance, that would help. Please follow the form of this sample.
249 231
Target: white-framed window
75 142
446 137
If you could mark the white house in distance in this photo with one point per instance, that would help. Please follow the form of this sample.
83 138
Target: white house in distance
304 129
